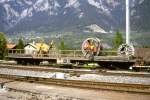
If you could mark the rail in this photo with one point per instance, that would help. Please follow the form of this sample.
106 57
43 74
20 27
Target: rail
48 68
134 88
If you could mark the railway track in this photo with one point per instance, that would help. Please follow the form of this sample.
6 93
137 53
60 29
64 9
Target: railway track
76 71
121 87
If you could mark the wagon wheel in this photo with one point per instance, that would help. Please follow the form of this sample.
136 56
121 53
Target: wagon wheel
126 50
97 44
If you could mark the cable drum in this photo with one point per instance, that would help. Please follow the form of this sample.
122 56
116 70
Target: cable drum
126 50
96 43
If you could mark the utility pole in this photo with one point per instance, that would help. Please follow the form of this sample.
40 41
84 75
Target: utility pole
127 22
127 48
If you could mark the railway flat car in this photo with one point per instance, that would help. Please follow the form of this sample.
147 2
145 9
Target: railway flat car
91 52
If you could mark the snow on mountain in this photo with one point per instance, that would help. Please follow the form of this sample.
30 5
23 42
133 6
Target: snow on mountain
44 5
28 2
26 12
41 5
113 3
109 14
81 15
96 3
72 3
99 5
141 1
3 1
75 4
10 12
95 28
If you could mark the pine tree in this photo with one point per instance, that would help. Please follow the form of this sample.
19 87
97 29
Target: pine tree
118 39
62 45
2 45
20 44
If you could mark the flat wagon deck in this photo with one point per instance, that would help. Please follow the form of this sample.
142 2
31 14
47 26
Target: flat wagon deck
69 57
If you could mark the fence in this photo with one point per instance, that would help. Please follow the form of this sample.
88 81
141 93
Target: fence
56 53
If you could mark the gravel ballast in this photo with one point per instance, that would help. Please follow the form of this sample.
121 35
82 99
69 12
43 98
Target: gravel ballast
87 77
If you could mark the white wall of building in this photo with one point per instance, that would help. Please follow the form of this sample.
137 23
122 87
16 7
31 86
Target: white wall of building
29 49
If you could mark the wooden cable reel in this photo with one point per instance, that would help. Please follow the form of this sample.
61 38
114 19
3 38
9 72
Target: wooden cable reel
95 44
126 50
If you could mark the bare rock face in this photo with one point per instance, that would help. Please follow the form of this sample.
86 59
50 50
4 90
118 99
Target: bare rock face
23 15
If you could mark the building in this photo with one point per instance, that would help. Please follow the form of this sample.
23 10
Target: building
11 46
35 48
30 48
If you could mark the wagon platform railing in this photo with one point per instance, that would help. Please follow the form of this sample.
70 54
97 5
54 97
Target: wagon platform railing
63 54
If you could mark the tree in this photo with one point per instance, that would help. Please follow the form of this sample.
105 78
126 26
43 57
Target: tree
20 44
62 45
118 39
2 45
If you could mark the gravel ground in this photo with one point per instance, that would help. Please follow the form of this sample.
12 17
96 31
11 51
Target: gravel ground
90 77
15 95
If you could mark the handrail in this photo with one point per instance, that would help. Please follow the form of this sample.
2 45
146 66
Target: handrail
105 51
55 53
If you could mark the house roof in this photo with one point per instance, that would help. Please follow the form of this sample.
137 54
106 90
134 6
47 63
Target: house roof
39 46
31 44
10 46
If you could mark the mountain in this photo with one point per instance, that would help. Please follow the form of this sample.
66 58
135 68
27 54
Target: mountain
141 16
71 15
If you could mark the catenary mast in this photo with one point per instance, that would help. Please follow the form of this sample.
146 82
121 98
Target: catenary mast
127 22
